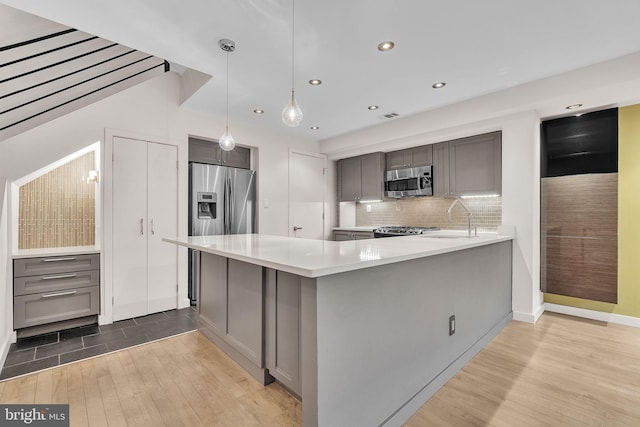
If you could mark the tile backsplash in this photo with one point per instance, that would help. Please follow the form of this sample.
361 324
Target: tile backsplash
432 211
57 209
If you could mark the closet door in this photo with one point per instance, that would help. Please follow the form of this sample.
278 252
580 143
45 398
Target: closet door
162 202
130 228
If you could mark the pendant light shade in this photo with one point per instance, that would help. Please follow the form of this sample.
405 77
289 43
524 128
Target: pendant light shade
226 141
292 114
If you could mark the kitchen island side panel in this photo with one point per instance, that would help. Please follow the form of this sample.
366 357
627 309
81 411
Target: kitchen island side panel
383 332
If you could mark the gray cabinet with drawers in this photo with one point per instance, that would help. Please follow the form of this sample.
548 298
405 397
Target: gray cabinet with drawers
57 292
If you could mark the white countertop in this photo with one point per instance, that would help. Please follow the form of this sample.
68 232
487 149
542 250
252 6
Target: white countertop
71 250
316 258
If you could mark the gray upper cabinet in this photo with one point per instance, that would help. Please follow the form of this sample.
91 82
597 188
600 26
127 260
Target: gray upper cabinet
441 169
349 179
361 177
209 152
409 158
239 157
468 166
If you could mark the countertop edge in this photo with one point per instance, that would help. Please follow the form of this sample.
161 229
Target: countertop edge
343 268
49 252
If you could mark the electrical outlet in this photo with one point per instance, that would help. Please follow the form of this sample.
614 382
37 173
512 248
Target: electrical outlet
452 325
368 208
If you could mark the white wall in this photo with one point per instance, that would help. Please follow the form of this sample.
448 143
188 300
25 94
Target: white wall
151 111
6 323
517 112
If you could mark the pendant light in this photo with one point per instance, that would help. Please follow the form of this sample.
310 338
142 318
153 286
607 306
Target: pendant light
292 114
227 143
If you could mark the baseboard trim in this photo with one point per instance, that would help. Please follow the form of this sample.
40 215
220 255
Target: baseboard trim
593 314
527 317
410 407
4 347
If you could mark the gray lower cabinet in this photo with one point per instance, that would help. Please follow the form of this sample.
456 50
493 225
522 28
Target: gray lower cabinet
468 166
340 235
53 293
282 332
231 307
244 308
253 314
49 307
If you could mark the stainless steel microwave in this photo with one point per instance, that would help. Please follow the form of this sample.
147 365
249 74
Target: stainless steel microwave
409 182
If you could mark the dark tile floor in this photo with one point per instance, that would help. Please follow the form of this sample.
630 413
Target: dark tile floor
57 348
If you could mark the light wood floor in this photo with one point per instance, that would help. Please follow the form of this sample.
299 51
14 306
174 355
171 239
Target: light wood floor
563 371
180 381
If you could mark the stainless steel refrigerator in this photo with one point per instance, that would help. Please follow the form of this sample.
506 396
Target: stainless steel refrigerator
222 200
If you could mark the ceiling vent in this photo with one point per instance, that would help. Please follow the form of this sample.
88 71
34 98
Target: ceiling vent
389 116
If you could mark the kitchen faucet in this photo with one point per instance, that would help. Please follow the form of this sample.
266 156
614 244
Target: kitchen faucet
457 200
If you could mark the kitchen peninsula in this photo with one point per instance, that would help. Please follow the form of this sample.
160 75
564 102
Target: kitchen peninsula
364 331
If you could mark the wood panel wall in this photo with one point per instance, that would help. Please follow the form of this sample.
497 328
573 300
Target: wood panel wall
579 236
57 209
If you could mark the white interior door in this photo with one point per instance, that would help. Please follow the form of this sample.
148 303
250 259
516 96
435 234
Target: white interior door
130 228
306 195
162 205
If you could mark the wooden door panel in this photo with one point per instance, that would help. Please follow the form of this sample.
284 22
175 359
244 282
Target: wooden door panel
581 267
580 205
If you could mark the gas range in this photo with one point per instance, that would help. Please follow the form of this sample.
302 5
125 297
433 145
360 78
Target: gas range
401 230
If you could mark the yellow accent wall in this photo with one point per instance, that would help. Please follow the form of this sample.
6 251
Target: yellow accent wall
628 222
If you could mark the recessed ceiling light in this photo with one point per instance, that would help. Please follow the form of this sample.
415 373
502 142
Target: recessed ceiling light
438 85
385 46
314 127
315 82
258 111
573 106
373 107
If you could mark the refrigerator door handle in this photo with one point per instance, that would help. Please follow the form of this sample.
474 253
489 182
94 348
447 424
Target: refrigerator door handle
232 201
227 206
224 206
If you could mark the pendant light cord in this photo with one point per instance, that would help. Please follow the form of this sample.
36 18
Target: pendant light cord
227 125
293 39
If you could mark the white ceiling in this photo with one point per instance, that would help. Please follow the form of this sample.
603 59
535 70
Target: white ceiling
476 47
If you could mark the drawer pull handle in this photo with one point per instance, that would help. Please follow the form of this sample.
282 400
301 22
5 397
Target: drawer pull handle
71 258
59 294
59 276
